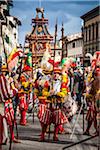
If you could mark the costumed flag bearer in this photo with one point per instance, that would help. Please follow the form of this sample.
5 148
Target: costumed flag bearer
6 93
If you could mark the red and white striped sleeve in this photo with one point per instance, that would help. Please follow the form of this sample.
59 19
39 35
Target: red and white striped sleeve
5 90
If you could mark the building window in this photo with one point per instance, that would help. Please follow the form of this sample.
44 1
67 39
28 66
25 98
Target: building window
86 51
89 33
89 50
86 34
73 46
96 30
96 48
15 35
59 53
93 31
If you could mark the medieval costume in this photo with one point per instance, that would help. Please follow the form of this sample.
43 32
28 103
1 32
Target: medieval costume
23 102
69 105
93 93
50 105
6 93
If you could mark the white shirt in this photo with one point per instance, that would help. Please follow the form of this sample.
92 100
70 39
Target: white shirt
56 86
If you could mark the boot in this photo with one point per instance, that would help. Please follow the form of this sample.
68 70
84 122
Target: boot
13 136
5 142
61 129
55 137
23 118
1 129
16 140
12 132
96 127
88 128
42 138
86 133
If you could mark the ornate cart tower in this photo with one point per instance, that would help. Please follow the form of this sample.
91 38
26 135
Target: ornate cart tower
39 39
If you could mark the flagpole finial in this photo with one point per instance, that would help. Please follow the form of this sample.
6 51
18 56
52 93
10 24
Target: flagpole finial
62 30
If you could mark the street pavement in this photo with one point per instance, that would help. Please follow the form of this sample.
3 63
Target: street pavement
30 134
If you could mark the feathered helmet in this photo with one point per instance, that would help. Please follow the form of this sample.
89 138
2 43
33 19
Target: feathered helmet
57 70
97 58
66 64
22 78
46 84
4 68
27 68
45 65
95 61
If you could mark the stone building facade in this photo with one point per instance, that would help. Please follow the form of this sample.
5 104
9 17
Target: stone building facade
73 45
91 31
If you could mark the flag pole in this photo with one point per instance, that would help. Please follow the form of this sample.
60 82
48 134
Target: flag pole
55 40
35 71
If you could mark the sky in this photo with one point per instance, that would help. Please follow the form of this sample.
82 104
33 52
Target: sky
66 11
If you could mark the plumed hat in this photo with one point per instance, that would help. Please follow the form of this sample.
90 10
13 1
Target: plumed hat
22 78
46 84
27 68
57 70
4 68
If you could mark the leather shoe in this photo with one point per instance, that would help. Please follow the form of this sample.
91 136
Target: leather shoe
96 133
86 133
5 142
16 140
55 139
41 140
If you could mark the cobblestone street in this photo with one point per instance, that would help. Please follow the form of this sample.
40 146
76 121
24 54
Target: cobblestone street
30 134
